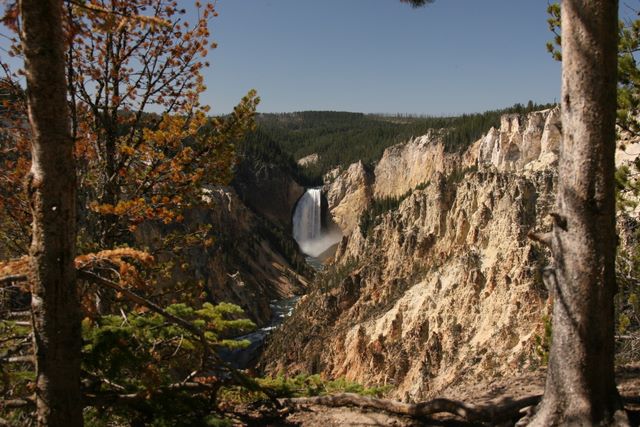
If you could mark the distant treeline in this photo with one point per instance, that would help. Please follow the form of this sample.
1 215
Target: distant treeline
258 151
342 138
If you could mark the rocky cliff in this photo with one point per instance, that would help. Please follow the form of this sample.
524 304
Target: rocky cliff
405 166
348 194
445 290
269 191
530 142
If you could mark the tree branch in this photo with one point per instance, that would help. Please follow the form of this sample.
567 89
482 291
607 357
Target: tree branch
18 359
237 376
18 403
102 399
13 278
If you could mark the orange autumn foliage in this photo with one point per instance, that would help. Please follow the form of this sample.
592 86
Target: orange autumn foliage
144 145
116 261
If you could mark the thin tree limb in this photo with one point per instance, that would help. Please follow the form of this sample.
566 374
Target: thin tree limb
543 238
18 359
13 278
18 403
101 399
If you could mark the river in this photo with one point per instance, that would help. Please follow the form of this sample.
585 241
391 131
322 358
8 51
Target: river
246 357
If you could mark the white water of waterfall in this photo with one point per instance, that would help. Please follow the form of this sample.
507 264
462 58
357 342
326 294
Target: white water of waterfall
307 224
307 220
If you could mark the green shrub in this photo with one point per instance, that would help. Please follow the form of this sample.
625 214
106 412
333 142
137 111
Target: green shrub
301 385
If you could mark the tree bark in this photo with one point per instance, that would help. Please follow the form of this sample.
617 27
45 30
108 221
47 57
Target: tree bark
580 388
51 187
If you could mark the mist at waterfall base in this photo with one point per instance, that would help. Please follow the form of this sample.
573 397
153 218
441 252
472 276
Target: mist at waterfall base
307 225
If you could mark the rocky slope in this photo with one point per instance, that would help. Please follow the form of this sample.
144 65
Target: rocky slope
269 191
243 258
445 290
265 179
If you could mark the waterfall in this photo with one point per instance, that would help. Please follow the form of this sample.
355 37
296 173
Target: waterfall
307 219
307 224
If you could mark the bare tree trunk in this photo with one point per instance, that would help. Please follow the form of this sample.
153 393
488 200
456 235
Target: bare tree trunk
52 186
580 388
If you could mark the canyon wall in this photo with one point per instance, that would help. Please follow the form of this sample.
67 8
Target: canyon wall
521 142
268 190
242 258
445 290
405 166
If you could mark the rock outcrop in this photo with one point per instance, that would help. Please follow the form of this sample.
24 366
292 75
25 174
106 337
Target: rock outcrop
445 290
309 160
521 142
405 166
532 141
348 195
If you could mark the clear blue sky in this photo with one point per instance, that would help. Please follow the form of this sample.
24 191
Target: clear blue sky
381 56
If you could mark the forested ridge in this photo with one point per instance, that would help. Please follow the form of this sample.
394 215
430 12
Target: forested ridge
342 138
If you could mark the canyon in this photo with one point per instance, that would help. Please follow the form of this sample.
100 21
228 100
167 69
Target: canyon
441 292
445 291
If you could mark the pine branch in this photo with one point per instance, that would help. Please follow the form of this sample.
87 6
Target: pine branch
236 375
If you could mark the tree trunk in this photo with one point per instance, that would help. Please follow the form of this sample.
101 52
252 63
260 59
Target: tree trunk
580 388
52 186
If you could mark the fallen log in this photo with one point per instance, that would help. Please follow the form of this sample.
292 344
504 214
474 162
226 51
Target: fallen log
493 414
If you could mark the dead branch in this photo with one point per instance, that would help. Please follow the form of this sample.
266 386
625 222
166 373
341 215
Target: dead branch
18 359
627 337
102 399
18 314
492 414
22 323
18 403
13 278
559 220
13 338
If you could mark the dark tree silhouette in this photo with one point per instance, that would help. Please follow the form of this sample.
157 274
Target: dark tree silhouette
417 3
